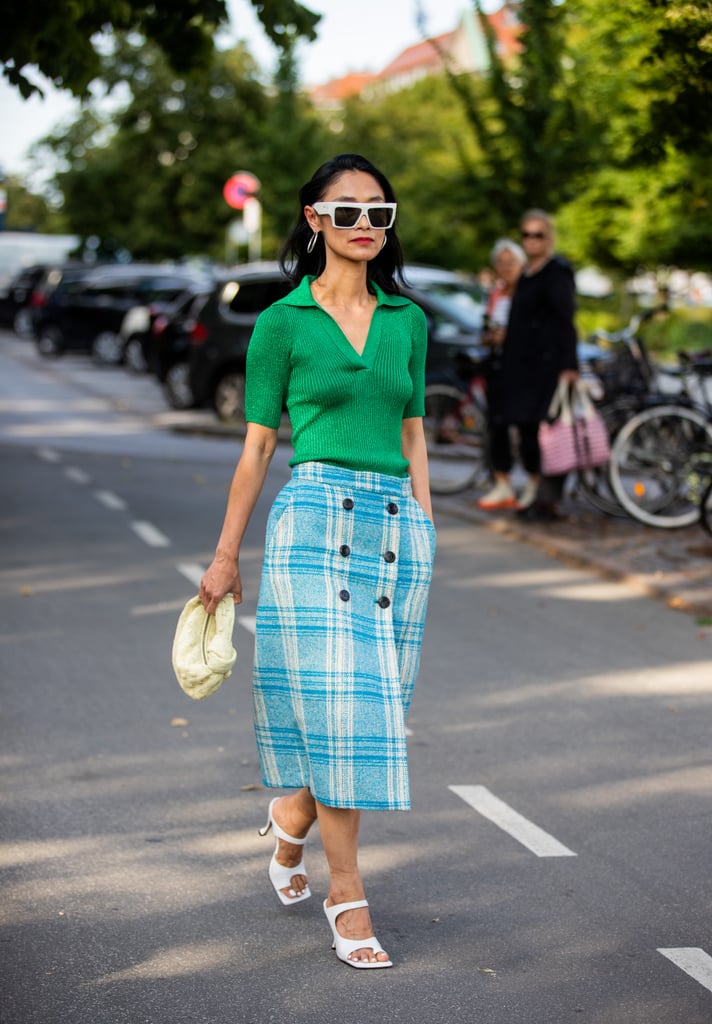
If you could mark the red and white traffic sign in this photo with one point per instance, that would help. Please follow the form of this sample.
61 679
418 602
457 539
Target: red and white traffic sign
239 187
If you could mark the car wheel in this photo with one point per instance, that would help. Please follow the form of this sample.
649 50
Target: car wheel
106 348
134 357
229 398
22 323
176 387
49 342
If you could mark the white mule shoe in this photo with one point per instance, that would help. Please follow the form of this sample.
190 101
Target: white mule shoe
345 947
279 875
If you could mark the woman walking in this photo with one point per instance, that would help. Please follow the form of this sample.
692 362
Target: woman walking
350 539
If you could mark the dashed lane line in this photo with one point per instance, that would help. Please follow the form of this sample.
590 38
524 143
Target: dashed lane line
192 572
520 828
150 535
48 455
76 475
110 500
692 961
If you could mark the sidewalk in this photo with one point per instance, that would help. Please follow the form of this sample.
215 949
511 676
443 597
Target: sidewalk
672 565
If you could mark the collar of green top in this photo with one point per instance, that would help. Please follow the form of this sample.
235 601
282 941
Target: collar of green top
302 296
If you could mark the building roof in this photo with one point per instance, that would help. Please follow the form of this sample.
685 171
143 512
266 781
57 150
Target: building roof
340 89
419 56
464 47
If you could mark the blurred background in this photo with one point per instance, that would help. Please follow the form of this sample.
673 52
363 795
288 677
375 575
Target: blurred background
122 125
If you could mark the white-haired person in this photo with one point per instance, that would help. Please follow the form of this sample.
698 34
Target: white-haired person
507 258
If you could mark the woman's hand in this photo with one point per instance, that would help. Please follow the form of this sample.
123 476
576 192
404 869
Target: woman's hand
221 577
568 376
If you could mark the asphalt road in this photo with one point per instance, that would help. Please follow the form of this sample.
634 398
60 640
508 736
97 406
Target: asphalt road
570 714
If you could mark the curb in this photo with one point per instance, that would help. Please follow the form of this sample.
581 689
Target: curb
676 590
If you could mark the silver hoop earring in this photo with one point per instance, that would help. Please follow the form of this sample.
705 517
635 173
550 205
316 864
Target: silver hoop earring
312 242
385 239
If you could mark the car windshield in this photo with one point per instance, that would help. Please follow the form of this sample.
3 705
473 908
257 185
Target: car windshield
457 300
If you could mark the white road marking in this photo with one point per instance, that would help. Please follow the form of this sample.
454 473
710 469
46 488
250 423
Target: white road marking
110 500
510 821
692 961
192 572
150 535
78 476
248 622
159 608
49 455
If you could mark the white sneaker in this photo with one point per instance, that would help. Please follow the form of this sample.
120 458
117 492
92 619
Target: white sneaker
528 495
501 496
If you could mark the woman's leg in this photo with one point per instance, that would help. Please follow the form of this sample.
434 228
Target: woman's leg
295 814
529 447
339 834
500 450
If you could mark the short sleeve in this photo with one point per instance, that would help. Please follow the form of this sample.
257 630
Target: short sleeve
268 367
416 366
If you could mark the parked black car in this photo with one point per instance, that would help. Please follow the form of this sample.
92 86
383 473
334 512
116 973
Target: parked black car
168 348
223 325
82 309
144 327
15 307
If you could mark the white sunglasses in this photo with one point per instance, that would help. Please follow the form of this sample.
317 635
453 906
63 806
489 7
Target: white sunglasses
347 215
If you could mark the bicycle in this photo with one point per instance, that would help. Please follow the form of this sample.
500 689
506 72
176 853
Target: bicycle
661 458
455 422
624 381
706 508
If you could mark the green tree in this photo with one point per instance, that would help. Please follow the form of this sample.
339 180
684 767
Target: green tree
647 200
293 141
59 39
27 211
682 52
151 177
532 136
420 140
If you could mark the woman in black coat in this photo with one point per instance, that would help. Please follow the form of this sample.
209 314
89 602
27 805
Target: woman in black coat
539 350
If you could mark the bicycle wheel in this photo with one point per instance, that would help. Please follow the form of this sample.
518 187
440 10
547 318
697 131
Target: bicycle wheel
706 508
660 461
595 485
456 436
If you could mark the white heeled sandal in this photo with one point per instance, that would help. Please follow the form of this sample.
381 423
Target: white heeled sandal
279 875
345 947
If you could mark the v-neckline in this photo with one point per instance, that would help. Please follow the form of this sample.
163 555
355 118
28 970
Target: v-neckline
340 336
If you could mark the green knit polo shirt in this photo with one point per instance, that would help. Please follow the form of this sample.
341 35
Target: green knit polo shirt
345 409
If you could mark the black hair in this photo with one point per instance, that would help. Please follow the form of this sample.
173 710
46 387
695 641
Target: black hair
385 269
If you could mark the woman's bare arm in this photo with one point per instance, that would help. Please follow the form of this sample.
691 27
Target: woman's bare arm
415 450
223 575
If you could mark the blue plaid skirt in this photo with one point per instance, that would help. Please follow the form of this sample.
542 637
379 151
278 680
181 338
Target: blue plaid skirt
347 567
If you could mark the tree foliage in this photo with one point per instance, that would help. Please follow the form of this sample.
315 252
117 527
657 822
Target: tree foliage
152 178
532 135
647 199
27 211
420 140
682 53
603 119
59 39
